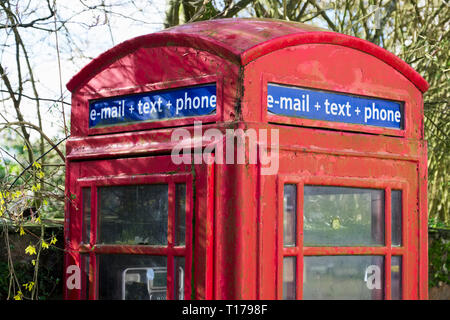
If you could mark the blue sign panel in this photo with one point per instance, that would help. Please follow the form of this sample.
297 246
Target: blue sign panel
336 107
153 106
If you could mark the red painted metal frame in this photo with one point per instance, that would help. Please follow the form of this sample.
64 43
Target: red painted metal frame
312 66
134 73
141 143
202 176
313 152
170 251
299 251
235 247
204 232
423 218
75 224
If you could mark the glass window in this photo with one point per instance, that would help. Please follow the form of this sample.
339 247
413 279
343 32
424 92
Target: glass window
289 215
343 277
396 217
396 278
180 214
289 281
85 274
86 197
132 277
343 216
133 214
179 271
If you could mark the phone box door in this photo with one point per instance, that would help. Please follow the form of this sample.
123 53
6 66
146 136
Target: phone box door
131 233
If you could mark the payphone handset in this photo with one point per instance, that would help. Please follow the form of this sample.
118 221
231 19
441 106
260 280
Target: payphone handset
137 283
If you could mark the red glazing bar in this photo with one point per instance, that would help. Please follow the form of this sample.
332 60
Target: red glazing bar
170 240
388 240
329 251
299 219
423 224
280 249
188 240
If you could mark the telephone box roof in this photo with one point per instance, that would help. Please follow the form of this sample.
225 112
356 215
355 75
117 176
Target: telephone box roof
242 41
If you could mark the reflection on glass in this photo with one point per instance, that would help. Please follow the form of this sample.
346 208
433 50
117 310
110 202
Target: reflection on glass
179 278
343 278
180 214
396 217
396 277
132 277
289 214
342 216
289 281
133 214
86 197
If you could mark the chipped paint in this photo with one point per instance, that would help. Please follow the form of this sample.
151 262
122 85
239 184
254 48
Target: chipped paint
235 227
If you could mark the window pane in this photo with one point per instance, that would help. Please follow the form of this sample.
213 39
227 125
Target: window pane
289 281
341 216
132 277
85 274
179 278
289 214
86 214
396 217
343 278
135 214
180 214
396 278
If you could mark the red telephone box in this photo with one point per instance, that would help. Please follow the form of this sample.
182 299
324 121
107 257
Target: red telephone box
246 159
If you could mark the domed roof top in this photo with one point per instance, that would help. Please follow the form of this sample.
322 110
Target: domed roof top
242 41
